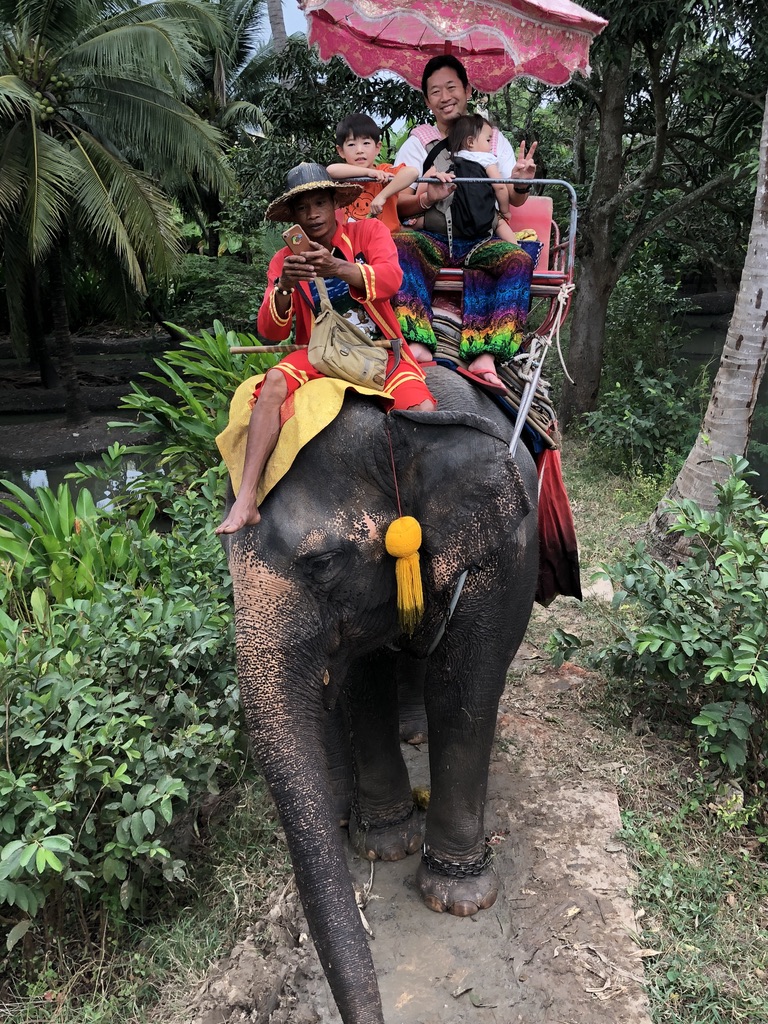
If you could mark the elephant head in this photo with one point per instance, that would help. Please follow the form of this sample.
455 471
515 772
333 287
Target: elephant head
315 594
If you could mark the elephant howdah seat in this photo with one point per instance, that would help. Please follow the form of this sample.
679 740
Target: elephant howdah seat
553 268
551 287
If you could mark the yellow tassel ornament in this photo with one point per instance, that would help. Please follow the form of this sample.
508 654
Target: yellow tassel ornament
403 541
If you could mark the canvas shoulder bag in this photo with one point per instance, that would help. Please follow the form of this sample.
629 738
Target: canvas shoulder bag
339 349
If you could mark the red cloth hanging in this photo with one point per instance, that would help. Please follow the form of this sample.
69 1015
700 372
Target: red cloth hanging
558 549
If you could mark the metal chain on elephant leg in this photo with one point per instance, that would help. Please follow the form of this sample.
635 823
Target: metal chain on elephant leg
364 824
457 869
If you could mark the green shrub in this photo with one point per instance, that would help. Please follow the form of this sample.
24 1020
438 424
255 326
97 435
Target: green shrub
119 699
647 427
700 629
205 287
69 545
641 328
201 377
649 411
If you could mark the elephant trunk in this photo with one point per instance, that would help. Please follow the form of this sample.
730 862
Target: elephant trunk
288 733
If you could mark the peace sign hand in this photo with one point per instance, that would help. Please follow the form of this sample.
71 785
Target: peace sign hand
525 166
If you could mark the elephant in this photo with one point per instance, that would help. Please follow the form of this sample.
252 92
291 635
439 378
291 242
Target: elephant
317 628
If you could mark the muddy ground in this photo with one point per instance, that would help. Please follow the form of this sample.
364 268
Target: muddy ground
560 944
33 429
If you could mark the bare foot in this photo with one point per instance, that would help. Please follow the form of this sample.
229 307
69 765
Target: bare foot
485 368
421 353
243 513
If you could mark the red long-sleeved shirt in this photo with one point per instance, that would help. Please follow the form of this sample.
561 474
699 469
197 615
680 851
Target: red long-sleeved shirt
368 243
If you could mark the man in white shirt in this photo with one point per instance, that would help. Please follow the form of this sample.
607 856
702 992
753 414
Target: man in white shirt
446 92
497 274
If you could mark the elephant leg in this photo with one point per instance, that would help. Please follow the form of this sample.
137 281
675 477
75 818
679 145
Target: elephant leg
465 680
410 698
384 823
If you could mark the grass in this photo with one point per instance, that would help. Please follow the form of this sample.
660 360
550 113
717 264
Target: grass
704 890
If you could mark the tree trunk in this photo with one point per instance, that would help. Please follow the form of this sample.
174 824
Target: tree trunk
76 409
212 207
727 422
585 352
22 292
39 353
597 270
277 24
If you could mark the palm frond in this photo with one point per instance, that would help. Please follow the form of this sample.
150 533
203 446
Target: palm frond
191 22
51 19
201 17
47 193
147 51
150 121
239 113
258 72
122 210
219 78
13 171
15 99
244 19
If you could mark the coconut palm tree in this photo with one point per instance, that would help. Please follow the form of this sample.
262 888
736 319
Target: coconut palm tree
727 422
277 24
217 96
92 115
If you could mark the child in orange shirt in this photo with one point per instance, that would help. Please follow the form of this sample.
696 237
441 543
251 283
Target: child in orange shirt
358 144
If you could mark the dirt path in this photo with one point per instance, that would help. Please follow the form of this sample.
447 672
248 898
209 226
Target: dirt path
558 945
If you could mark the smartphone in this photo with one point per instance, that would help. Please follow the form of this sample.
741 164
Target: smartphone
296 240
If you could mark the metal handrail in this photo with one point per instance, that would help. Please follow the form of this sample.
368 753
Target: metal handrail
573 217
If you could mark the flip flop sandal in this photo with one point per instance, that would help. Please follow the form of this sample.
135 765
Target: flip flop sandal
486 385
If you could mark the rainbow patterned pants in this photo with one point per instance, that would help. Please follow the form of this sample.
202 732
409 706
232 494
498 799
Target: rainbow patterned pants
497 284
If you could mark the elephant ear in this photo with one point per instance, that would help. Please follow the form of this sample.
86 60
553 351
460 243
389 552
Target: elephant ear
456 476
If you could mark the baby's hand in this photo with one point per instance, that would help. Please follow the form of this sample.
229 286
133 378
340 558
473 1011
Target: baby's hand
377 205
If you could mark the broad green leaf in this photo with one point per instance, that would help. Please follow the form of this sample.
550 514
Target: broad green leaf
17 933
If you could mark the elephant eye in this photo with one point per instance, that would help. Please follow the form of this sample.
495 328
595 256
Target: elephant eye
325 567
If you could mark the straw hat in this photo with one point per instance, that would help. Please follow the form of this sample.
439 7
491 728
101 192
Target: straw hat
309 177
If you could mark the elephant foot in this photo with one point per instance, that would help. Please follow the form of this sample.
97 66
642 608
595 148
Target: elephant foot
414 732
392 841
458 889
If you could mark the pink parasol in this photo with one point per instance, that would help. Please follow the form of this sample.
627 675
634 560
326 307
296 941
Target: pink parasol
496 40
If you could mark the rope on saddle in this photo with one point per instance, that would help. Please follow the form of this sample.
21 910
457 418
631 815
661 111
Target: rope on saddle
541 415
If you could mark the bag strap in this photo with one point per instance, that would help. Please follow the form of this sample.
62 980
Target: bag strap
322 291
433 154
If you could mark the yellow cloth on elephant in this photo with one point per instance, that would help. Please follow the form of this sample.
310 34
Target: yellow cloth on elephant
306 412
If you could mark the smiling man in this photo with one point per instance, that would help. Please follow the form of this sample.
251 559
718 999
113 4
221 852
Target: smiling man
446 92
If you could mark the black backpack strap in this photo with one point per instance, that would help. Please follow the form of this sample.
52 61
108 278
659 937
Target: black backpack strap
432 155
